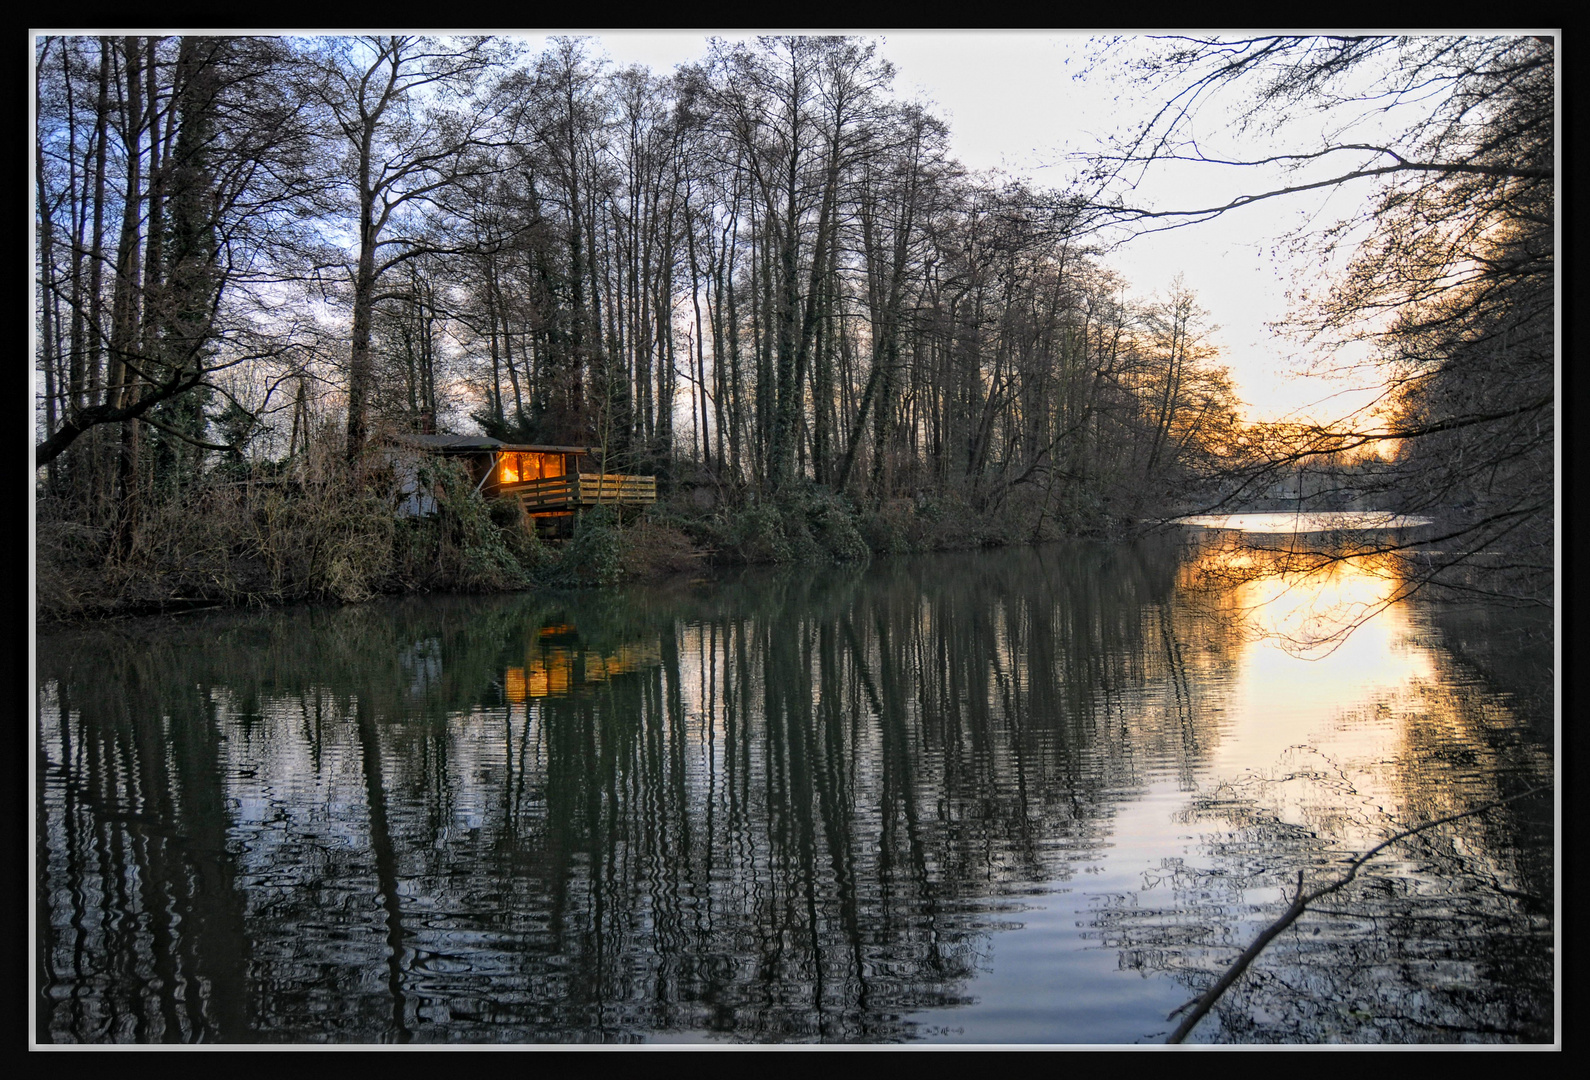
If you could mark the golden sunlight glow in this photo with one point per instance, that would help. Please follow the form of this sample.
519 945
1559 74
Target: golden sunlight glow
1329 650
1312 612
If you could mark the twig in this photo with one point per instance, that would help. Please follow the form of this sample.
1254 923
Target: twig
1268 934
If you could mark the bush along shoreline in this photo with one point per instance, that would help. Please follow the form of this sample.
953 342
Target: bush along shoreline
332 535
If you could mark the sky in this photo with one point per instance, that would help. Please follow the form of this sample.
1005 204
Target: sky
1028 103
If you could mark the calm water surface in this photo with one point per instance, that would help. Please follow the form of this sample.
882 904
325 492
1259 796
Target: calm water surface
1038 796
1312 521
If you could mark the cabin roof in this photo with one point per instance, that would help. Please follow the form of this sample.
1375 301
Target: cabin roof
544 449
475 444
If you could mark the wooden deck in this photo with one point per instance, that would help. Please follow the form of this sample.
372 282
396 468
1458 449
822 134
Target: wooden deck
577 491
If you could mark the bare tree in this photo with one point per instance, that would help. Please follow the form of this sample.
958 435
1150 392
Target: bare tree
409 130
206 131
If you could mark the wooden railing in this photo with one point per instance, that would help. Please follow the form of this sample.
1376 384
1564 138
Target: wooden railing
583 489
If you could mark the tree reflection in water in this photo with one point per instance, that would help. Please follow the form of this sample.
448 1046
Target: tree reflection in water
785 807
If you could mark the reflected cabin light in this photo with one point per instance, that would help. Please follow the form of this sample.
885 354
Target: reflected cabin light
558 671
549 677
514 685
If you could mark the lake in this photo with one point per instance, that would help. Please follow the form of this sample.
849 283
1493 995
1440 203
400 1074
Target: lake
1023 796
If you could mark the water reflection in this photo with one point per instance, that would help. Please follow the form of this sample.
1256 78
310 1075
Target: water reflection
1448 936
850 806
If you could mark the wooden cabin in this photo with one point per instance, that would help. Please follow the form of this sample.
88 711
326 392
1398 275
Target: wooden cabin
550 483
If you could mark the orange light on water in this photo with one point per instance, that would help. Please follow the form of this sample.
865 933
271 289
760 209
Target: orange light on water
557 672
514 685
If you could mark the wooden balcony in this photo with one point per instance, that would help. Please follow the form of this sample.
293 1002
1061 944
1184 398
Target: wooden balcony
578 491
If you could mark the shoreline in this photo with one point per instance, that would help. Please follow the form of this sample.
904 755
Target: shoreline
488 557
704 565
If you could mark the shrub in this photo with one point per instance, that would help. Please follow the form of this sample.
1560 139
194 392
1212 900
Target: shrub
753 533
804 525
835 526
892 528
476 547
314 530
70 565
594 555
653 549
324 536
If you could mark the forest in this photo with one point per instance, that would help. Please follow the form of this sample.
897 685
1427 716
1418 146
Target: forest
762 278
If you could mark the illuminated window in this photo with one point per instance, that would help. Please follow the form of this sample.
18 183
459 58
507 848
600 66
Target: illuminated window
521 468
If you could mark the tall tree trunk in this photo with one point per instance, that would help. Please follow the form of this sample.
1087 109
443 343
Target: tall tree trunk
359 360
125 306
155 301
96 260
736 368
495 396
695 304
78 211
51 346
